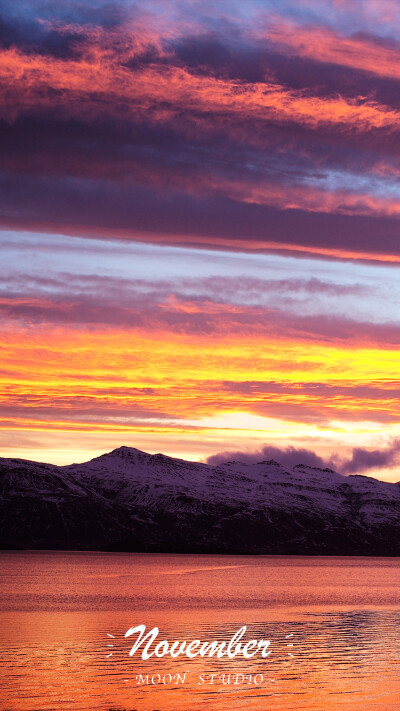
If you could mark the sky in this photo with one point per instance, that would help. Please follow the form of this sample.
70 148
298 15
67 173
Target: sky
199 226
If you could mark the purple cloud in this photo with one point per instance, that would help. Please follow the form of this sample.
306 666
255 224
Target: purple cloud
364 459
361 460
289 457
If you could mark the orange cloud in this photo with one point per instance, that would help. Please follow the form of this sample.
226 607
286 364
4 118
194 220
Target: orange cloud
99 83
324 45
305 197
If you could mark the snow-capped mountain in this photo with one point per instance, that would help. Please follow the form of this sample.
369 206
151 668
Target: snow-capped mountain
130 500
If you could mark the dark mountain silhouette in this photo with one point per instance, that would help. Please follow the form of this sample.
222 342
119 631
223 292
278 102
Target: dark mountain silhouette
130 500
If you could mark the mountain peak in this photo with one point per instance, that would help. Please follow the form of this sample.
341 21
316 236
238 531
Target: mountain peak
124 451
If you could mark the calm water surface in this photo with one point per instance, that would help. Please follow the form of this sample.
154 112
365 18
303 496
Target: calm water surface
333 624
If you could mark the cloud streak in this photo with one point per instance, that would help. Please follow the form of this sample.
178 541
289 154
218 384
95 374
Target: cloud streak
362 52
162 93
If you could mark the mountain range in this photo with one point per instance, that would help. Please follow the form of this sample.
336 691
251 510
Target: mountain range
128 500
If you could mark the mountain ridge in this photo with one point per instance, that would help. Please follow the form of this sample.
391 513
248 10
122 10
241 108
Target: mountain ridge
127 499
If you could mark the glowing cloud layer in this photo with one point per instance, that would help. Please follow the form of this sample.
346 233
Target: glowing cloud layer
200 208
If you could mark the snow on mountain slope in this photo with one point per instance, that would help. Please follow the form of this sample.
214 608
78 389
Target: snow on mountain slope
131 500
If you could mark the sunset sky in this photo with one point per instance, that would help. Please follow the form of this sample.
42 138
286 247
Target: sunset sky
200 229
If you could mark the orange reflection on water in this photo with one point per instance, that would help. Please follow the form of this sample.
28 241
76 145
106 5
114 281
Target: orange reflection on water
62 611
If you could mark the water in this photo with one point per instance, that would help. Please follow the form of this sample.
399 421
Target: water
340 616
